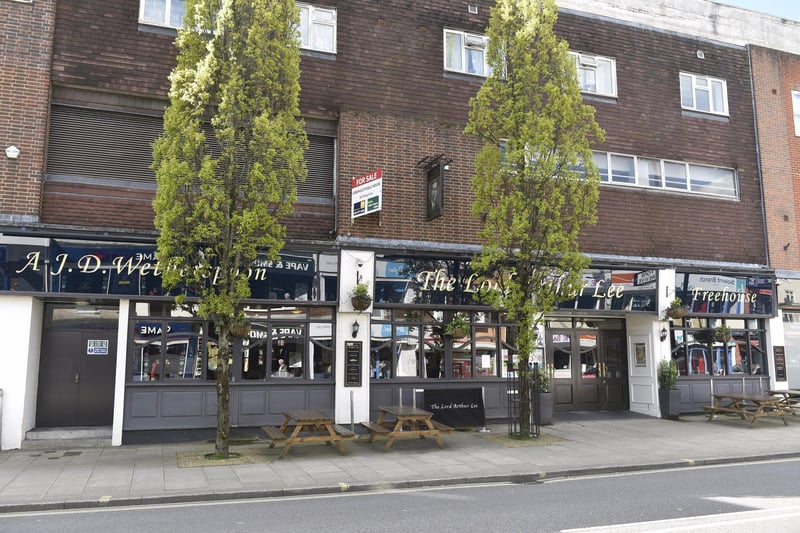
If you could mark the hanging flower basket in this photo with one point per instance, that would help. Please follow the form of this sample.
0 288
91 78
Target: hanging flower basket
240 327
722 334
458 327
676 310
360 298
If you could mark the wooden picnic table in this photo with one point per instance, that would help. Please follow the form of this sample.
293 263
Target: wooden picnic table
309 426
748 406
790 398
408 422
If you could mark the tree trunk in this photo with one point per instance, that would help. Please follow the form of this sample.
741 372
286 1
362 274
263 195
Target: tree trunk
525 417
223 396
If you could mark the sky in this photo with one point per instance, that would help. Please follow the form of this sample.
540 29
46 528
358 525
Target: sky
789 9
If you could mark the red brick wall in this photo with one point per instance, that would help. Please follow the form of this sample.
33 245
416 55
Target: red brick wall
775 76
25 53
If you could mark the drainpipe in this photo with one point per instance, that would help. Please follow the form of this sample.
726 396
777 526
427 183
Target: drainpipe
758 156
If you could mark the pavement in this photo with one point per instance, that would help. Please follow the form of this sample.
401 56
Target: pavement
66 475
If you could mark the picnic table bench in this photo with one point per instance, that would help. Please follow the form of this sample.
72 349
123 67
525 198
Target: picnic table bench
409 422
748 406
309 426
790 398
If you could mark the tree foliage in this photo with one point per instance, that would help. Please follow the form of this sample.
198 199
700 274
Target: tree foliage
535 183
230 157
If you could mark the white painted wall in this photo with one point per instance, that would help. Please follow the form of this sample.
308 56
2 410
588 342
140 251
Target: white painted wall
642 330
21 331
703 18
119 377
354 265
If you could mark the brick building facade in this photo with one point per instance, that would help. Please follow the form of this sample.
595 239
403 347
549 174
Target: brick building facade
385 97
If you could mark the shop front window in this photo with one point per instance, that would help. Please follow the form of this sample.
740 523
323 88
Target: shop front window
699 349
171 350
417 343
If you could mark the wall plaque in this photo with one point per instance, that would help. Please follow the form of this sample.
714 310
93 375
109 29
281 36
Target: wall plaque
780 363
352 364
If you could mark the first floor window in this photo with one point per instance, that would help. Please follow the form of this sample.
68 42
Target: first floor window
638 171
162 12
796 111
702 93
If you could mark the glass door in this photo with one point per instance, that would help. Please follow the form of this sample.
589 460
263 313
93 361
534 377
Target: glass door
574 357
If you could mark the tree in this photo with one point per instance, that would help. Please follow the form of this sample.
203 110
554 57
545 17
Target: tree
228 162
535 183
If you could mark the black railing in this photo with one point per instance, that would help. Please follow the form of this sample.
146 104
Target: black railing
516 425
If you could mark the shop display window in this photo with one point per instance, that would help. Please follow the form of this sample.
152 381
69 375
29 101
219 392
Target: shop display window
416 343
699 350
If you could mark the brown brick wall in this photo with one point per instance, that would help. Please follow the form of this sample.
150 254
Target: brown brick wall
396 105
775 76
646 119
26 30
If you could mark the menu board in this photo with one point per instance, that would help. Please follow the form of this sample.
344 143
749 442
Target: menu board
780 363
352 364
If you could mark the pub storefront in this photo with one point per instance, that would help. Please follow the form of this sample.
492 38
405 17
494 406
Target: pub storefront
719 341
582 344
98 309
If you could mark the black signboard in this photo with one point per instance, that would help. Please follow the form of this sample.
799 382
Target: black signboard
459 408
780 363
352 364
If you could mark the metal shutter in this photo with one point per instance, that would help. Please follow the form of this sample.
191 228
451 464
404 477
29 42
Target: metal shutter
101 144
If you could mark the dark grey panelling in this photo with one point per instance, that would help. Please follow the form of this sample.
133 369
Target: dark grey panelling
179 406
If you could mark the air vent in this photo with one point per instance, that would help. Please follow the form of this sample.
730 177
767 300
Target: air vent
474 40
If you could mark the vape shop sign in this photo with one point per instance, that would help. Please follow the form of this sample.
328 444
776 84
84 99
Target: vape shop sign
367 193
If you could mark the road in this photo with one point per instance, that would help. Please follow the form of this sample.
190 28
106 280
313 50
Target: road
749 497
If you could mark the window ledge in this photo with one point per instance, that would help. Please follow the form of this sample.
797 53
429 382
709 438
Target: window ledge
464 76
592 97
705 115
147 27
318 54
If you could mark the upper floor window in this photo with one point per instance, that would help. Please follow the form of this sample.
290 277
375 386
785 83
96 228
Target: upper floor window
701 93
796 111
465 52
596 74
162 12
623 169
317 28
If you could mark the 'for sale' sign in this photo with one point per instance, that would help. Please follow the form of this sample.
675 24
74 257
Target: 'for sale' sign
367 193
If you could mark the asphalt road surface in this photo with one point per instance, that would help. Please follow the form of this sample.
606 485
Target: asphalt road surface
749 498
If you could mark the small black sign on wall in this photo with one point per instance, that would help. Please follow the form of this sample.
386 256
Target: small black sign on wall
352 363
780 363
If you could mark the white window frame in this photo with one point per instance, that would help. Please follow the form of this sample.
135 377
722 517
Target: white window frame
704 84
796 112
311 14
591 62
469 41
677 183
165 22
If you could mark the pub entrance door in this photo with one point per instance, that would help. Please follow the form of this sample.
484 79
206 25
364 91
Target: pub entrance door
589 369
77 366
